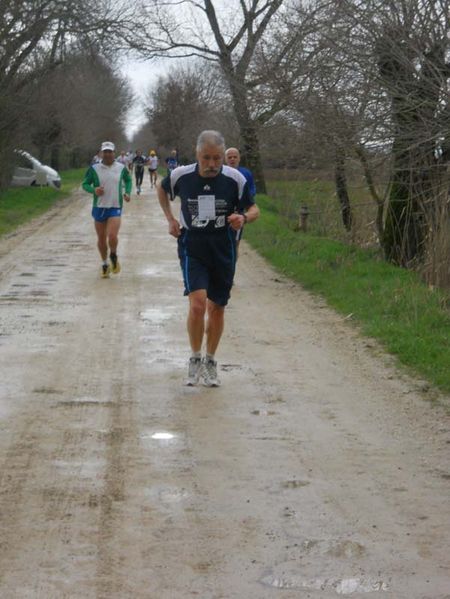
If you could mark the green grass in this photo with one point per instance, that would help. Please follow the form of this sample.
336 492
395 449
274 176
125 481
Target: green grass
325 216
18 205
390 304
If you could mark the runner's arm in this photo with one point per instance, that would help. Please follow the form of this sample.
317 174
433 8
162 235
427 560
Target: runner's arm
164 201
90 181
127 180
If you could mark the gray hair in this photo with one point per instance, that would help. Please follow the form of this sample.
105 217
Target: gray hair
210 138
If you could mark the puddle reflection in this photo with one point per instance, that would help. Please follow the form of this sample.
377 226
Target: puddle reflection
342 586
155 315
162 436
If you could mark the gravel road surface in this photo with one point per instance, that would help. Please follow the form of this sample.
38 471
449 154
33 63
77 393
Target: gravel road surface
316 470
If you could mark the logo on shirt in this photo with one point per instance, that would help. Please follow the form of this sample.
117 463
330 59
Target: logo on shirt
207 188
219 222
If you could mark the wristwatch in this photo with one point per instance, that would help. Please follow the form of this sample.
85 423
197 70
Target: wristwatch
245 219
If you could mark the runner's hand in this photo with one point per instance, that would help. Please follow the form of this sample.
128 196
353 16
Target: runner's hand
126 197
236 221
174 228
99 191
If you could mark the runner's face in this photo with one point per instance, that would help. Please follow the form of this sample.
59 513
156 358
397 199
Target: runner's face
210 160
108 157
232 158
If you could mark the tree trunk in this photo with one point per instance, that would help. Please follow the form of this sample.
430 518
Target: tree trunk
373 192
340 179
415 98
404 229
55 158
250 152
251 155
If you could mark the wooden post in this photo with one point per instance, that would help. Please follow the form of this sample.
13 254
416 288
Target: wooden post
303 222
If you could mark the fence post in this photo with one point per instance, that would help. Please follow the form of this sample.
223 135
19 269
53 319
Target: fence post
303 222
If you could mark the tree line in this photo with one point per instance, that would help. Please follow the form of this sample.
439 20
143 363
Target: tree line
295 84
339 82
60 92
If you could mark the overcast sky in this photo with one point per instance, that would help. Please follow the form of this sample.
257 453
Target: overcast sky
141 76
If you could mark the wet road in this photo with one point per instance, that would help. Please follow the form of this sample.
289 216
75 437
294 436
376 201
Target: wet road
316 470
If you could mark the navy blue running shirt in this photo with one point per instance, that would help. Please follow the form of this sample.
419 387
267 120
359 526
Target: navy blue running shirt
206 202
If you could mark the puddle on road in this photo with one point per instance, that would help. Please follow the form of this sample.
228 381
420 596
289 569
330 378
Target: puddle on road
154 271
342 586
82 469
162 436
155 315
166 494
159 438
342 552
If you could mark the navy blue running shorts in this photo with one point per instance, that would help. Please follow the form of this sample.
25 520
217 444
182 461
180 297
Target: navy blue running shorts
208 261
102 214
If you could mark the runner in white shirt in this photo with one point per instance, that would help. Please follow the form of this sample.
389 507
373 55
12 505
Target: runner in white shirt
123 158
109 182
153 161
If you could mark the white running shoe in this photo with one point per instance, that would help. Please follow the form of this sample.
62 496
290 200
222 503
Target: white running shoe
195 367
209 373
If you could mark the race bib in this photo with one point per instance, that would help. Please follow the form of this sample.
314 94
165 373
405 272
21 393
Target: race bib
207 207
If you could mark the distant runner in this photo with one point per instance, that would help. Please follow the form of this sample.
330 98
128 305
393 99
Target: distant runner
153 161
123 158
110 183
139 162
171 161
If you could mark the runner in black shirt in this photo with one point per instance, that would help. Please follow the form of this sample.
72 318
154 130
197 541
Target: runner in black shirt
215 203
139 161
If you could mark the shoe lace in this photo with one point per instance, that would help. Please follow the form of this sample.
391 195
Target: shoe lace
210 367
194 364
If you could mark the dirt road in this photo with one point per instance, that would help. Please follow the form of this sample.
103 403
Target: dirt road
316 470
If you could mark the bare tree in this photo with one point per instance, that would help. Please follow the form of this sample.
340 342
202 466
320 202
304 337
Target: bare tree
90 105
378 86
408 44
181 103
230 36
34 38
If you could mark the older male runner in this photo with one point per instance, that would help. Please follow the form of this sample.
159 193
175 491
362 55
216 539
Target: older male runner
215 203
233 159
110 183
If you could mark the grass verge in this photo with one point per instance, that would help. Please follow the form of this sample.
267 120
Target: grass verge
19 205
390 304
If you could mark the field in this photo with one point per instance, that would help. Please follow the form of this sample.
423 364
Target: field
20 204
